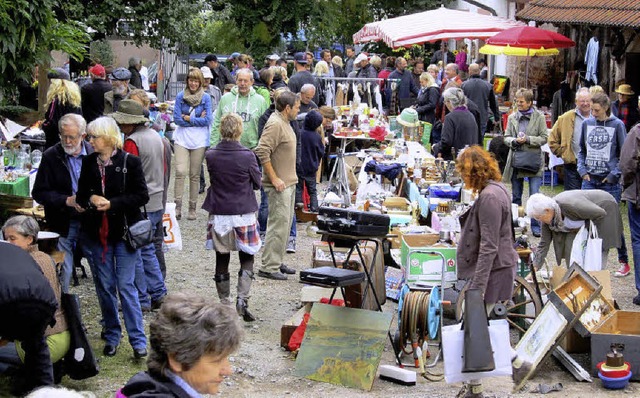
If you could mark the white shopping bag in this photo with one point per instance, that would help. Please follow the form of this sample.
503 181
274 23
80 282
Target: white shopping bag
579 244
453 350
171 228
593 250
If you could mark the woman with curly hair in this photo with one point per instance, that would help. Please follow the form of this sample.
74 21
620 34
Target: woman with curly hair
63 97
486 258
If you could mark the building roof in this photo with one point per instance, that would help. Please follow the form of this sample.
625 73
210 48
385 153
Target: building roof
621 13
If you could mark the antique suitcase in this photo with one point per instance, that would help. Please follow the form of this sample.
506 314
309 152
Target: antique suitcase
331 276
352 222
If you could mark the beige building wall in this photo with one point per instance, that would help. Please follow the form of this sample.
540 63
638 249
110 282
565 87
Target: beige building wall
122 51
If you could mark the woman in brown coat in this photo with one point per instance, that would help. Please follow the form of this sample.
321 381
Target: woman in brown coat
486 257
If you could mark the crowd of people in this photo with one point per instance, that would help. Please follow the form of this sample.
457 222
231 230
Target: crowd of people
106 167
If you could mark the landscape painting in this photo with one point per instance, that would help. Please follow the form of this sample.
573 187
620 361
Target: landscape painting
343 345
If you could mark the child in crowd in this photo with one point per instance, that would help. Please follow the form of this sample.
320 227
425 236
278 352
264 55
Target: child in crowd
312 153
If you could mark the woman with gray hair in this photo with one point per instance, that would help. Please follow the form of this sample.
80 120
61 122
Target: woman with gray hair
191 340
459 129
22 231
562 216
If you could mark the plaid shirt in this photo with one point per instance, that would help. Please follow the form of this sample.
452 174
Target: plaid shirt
623 112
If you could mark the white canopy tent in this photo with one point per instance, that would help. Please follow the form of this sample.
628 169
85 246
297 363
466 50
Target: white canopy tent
433 25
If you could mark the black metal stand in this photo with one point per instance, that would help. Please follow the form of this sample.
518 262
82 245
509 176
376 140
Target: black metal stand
354 243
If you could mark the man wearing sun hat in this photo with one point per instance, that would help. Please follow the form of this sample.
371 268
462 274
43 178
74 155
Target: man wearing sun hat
144 142
93 93
625 107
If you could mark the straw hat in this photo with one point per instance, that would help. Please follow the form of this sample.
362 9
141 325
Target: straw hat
409 118
624 89
129 112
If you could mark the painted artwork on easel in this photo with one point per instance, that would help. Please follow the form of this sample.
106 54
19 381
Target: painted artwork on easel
343 346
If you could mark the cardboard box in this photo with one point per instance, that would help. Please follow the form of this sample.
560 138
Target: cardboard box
622 329
425 269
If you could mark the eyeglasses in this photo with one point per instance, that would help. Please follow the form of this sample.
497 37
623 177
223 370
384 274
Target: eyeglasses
69 137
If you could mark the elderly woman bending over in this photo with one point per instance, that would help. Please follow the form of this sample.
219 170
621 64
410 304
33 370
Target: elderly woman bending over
562 216
191 340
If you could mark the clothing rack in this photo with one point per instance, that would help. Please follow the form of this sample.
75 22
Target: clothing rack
331 88
356 79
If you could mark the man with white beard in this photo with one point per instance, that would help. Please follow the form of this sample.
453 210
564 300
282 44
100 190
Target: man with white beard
121 88
56 185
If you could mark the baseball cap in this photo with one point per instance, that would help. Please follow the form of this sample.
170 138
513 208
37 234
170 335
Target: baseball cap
211 57
361 57
300 58
206 72
120 74
58 73
98 70
234 55
273 57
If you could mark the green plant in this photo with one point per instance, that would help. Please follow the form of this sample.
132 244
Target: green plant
100 52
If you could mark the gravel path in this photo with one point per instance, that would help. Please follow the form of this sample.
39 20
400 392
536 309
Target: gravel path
264 369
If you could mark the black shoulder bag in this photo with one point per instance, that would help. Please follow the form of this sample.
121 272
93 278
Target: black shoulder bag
139 234
80 361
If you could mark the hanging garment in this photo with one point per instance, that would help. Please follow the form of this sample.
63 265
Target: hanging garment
378 97
591 60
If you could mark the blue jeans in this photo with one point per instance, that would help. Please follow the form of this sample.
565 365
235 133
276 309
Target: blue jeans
67 246
517 186
116 275
572 179
263 215
616 191
634 226
149 280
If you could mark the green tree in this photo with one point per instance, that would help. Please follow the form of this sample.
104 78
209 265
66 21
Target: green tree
28 32
262 22
216 33
140 21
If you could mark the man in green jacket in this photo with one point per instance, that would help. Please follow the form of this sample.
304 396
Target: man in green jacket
244 101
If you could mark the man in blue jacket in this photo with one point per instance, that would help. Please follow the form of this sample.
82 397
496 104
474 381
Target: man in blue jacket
405 86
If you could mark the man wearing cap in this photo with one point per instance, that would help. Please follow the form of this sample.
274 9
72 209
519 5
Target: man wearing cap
55 188
272 59
144 142
210 88
221 75
135 64
302 76
120 89
625 107
93 93
234 60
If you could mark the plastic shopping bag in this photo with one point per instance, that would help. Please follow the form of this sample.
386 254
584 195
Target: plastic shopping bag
453 350
593 250
579 244
171 228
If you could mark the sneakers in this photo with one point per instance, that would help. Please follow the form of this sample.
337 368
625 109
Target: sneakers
278 276
624 270
291 245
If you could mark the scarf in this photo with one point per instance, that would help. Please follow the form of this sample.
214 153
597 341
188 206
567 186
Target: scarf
193 99
103 233
528 112
557 224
